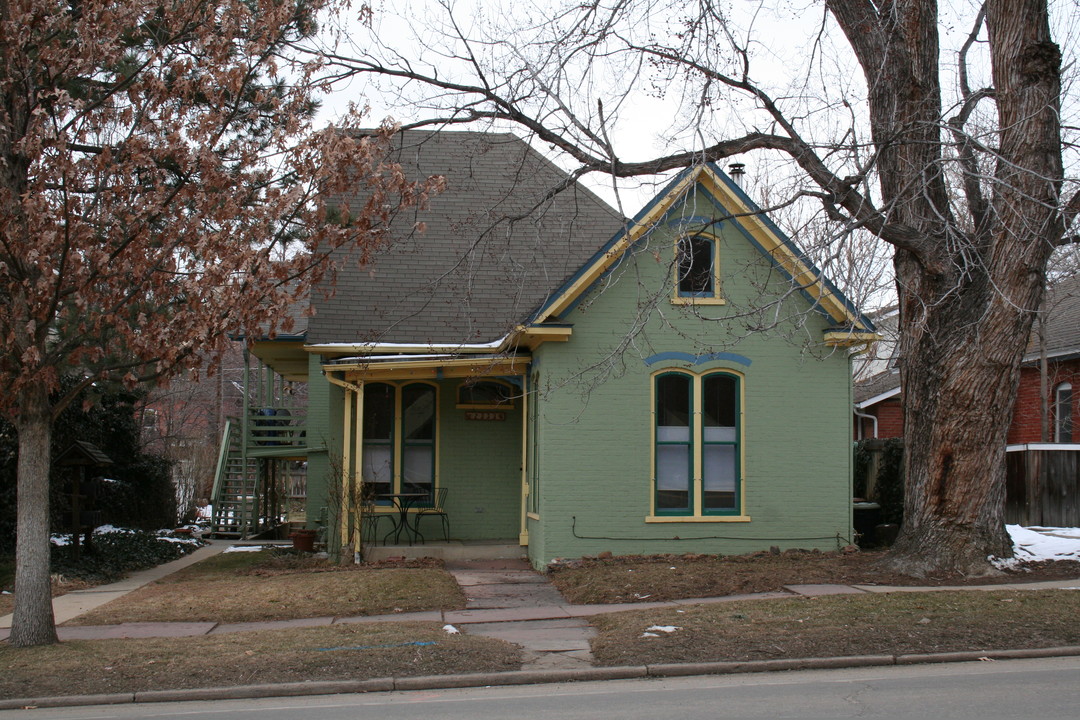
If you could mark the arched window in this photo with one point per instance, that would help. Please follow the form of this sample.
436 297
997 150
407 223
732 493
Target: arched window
697 438
1063 413
486 395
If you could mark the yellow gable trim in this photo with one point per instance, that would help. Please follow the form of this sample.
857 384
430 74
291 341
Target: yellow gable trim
745 216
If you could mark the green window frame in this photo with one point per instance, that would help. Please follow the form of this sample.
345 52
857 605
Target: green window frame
697 444
399 453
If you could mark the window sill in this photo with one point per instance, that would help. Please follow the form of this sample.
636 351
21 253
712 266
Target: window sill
678 300
532 516
696 518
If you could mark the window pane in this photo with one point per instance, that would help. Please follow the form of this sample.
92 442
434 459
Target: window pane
718 401
418 470
378 411
718 468
377 468
1063 413
696 266
673 477
720 434
673 401
418 412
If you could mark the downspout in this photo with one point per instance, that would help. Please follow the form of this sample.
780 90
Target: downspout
523 536
872 418
863 349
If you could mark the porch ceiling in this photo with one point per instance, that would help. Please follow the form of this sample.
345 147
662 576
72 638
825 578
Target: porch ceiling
285 357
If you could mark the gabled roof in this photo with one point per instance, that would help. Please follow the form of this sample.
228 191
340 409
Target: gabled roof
497 241
759 230
1060 316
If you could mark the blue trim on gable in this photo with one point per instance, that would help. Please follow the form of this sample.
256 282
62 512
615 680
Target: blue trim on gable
675 355
738 191
767 221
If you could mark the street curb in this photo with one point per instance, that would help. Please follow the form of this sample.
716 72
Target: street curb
529 677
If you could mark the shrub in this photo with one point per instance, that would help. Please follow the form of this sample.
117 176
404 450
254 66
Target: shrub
889 485
113 554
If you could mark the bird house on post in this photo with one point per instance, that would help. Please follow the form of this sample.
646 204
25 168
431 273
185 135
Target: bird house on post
85 516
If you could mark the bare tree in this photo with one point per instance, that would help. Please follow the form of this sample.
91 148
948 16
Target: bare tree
954 159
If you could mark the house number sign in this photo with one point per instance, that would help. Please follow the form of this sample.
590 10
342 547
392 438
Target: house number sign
498 416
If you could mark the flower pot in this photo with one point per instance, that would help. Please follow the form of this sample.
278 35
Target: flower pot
304 540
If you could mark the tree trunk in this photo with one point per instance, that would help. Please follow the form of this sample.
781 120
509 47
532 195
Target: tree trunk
958 401
33 622
967 306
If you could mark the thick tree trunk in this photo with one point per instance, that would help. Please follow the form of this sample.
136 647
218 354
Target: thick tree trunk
967 307
958 401
33 622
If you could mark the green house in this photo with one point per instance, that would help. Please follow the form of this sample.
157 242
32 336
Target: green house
536 369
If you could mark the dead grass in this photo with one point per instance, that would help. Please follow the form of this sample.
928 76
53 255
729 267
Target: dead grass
670 577
895 623
258 586
340 652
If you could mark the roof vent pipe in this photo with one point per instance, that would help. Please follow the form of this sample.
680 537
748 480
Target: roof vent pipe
737 172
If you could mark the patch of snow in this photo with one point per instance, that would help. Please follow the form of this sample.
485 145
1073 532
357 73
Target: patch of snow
663 628
649 634
1032 546
246 548
180 540
451 630
1060 532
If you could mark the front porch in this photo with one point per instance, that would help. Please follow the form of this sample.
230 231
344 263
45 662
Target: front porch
446 431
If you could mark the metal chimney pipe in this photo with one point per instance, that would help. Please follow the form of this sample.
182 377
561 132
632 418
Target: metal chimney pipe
737 172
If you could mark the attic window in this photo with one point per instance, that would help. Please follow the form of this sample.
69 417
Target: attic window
696 265
485 394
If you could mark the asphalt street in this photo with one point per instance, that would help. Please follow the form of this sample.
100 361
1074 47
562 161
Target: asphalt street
1043 689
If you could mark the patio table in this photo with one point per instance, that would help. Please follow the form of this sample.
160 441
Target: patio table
403 502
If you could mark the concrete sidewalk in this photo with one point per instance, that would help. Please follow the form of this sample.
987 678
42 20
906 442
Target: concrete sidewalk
499 591
506 599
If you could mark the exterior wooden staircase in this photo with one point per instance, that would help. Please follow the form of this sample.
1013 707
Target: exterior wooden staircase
261 473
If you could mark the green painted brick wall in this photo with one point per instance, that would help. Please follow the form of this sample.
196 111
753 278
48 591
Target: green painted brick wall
480 465
596 427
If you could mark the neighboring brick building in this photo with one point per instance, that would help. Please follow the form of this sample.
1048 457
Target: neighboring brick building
878 410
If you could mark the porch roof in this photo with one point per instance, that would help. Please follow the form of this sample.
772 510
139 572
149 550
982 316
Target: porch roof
432 366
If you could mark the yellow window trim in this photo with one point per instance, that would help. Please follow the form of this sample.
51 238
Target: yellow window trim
717 298
397 448
696 518
698 432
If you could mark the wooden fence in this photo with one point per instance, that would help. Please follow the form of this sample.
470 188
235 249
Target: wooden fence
1042 485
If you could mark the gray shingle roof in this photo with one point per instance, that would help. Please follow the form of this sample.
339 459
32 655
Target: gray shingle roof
494 247
1061 316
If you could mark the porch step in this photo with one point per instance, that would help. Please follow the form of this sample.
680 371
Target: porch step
452 551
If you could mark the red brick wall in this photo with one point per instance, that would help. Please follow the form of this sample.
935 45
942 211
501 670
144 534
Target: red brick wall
1026 424
890 416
